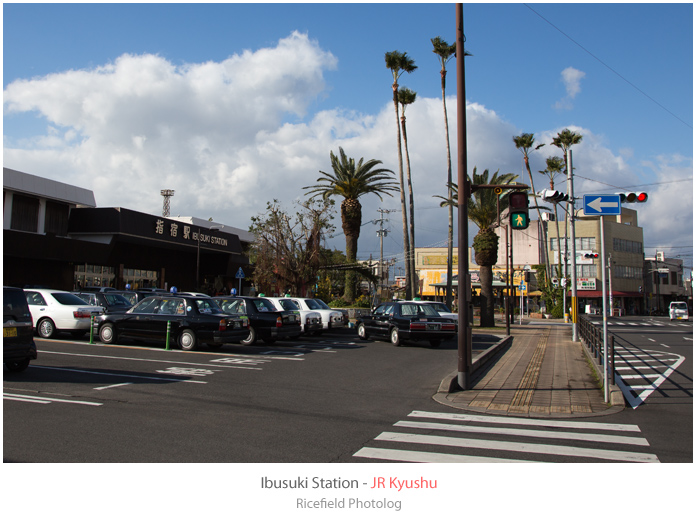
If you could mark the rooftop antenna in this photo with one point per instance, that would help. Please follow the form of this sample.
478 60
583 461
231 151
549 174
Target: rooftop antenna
167 194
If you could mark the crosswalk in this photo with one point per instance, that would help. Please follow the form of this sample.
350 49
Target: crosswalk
640 371
649 323
432 437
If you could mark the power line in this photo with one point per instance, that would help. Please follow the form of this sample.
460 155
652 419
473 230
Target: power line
611 69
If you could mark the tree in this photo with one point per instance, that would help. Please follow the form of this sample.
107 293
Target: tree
554 166
287 253
445 52
398 63
351 181
483 212
407 97
524 143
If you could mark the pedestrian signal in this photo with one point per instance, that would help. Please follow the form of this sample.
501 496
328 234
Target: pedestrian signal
518 203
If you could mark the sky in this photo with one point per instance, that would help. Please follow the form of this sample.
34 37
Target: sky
234 105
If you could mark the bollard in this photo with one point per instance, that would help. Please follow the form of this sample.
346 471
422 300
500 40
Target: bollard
613 361
169 328
91 330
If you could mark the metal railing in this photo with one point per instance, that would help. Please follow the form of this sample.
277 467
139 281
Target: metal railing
593 337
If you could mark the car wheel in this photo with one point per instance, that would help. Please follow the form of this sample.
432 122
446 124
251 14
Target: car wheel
187 340
17 366
435 343
46 328
362 333
251 339
107 333
394 337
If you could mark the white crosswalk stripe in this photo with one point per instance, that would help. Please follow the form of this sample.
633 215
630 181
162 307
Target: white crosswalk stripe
640 372
504 439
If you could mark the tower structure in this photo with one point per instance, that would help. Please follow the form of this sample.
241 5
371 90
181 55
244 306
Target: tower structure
167 194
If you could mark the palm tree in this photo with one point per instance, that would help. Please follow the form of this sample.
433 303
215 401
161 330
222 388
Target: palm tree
445 52
399 63
554 166
564 140
483 212
524 143
351 181
407 97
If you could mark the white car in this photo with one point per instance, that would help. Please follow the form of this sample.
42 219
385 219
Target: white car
311 320
440 307
678 311
55 310
331 318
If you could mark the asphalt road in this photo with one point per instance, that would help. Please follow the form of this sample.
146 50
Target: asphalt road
315 401
655 357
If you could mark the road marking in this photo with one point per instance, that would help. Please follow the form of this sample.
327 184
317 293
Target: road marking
428 457
554 450
526 421
43 399
110 386
119 374
598 438
654 361
140 360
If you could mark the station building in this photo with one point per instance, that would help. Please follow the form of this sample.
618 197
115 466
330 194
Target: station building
55 235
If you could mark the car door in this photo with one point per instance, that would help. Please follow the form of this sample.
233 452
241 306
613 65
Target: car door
137 322
37 304
172 311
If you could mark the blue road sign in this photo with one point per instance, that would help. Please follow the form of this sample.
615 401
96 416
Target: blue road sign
240 274
602 204
523 287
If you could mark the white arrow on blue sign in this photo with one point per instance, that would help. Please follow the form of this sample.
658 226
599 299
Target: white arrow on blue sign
240 274
604 204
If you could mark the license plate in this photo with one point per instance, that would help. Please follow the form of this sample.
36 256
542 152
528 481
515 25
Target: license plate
433 327
9 331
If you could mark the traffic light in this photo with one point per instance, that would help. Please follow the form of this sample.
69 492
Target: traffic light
633 197
519 210
553 196
591 255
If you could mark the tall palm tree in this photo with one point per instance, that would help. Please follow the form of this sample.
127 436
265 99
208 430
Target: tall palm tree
564 140
483 212
554 166
445 52
351 181
398 63
524 143
407 97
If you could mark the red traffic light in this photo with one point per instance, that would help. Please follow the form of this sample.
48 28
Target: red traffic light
633 197
591 255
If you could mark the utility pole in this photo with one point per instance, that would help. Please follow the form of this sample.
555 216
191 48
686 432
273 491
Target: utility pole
381 233
573 260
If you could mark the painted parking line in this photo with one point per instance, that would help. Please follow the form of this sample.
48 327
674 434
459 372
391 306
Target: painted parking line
125 376
45 399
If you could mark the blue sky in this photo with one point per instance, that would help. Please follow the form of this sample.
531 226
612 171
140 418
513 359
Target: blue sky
127 99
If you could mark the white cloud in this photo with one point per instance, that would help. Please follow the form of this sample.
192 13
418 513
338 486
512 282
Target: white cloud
571 79
218 133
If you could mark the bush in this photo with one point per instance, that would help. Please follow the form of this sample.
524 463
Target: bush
557 310
339 303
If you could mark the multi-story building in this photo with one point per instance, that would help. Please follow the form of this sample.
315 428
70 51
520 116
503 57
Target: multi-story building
663 282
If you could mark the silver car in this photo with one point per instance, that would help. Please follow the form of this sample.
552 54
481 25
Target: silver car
55 310
678 311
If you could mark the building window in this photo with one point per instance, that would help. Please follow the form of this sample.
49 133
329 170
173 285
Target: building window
581 243
56 218
25 213
586 271
628 246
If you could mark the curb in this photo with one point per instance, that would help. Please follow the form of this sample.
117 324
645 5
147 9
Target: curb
450 383
616 397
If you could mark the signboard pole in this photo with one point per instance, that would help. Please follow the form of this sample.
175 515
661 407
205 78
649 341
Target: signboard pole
604 309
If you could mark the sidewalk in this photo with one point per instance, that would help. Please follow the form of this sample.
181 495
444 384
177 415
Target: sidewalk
543 374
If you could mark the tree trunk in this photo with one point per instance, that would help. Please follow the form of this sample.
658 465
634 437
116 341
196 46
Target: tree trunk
404 215
487 296
412 236
351 218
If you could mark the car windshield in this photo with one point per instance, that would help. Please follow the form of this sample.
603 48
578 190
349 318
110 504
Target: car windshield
68 299
678 305
114 299
261 304
208 306
313 304
321 303
146 306
439 307
288 305
408 310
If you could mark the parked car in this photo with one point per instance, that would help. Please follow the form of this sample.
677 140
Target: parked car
678 311
330 318
265 321
55 310
440 307
111 301
191 320
403 321
18 347
310 321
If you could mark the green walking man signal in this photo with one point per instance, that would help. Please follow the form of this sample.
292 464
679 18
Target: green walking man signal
519 210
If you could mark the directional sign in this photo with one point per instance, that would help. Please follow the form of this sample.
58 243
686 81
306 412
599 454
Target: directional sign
523 287
604 204
240 274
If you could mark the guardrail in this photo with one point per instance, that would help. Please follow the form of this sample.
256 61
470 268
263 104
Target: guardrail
593 337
